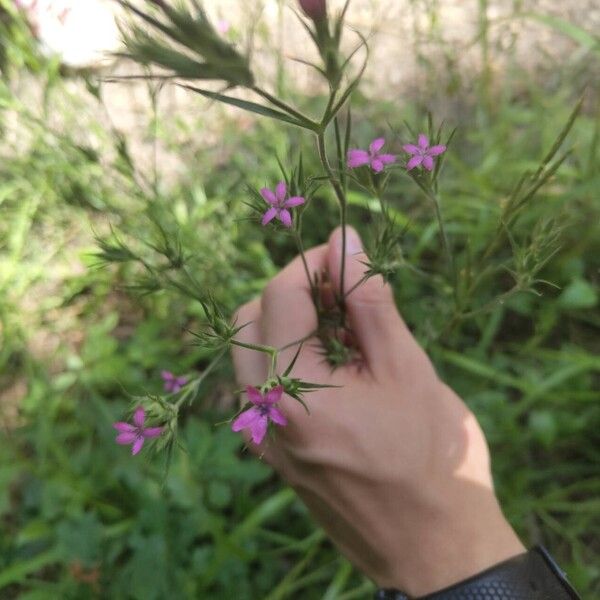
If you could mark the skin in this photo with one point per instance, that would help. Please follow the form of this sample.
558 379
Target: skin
392 464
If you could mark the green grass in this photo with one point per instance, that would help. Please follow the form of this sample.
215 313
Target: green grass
79 338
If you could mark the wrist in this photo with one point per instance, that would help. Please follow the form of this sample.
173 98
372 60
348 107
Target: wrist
455 544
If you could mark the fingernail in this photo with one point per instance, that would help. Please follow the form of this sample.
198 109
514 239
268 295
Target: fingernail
353 241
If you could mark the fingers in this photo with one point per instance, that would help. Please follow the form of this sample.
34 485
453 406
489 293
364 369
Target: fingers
381 333
288 313
250 366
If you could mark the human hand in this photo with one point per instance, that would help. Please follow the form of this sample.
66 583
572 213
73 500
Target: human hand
392 464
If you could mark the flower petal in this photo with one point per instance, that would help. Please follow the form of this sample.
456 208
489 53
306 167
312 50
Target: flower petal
137 445
124 427
294 201
285 217
269 216
428 162
246 419
258 429
274 395
139 416
152 432
423 141
127 438
167 375
377 145
415 161
281 191
357 158
435 150
277 416
411 148
254 395
387 159
170 386
377 165
268 195
181 381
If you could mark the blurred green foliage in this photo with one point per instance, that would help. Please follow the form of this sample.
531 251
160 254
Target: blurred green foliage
79 518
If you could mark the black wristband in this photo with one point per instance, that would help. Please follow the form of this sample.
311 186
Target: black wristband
533 575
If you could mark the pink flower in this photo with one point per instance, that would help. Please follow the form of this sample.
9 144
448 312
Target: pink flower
257 418
315 9
372 157
172 383
136 434
279 204
422 153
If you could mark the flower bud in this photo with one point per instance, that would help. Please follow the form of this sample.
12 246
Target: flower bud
315 9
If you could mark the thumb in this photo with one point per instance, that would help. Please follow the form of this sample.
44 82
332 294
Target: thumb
381 333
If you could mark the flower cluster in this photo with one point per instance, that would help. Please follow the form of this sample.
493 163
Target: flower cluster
422 154
181 40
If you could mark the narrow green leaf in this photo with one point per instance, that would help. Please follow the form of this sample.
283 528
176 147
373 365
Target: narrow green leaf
253 107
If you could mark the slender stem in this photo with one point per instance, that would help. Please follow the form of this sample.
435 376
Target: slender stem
270 350
326 115
356 285
446 244
302 253
443 234
257 347
501 299
193 388
307 337
339 192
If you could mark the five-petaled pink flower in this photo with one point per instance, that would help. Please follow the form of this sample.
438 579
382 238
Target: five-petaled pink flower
136 434
372 157
422 153
172 383
257 418
279 204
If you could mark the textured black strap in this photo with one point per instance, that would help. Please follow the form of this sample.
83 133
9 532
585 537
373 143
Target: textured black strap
530 576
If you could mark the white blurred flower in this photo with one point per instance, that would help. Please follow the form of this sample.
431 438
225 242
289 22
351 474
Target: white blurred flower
80 32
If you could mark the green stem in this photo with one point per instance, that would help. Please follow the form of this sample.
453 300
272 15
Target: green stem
307 337
356 285
270 350
339 192
445 241
328 115
194 387
444 235
302 253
